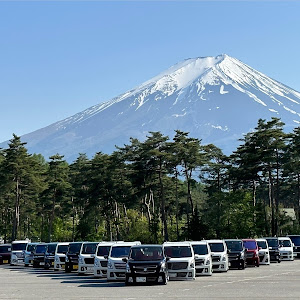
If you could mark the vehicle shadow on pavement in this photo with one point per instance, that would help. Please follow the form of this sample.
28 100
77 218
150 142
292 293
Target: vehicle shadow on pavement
104 284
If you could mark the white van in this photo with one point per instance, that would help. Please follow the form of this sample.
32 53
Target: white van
87 257
116 267
263 252
219 255
286 249
181 260
203 264
100 264
18 252
60 256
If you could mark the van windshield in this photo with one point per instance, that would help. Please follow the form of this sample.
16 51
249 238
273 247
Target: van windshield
147 253
18 246
89 248
40 248
74 248
120 251
285 243
216 247
200 249
51 248
5 249
295 240
273 242
178 251
251 245
103 250
234 245
62 248
262 244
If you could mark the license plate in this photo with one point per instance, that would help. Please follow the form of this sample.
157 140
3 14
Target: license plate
172 275
63 267
75 267
141 279
52 263
5 261
42 263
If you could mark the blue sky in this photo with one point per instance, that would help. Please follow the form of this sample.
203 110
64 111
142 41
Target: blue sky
58 58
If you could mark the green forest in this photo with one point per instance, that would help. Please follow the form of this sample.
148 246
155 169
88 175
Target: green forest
156 190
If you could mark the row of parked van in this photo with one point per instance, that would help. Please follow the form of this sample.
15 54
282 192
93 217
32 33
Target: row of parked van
133 262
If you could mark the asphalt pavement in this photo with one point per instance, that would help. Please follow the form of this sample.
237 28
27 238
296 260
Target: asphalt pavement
277 281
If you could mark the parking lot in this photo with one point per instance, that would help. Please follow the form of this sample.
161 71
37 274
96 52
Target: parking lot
277 281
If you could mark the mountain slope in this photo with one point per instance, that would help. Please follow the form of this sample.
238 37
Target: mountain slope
216 99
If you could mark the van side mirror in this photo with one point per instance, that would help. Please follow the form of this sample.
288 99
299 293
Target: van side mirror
106 256
259 248
168 258
124 259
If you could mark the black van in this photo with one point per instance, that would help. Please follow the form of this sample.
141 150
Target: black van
146 264
72 255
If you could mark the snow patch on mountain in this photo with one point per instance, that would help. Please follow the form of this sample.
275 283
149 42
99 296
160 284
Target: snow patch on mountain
216 99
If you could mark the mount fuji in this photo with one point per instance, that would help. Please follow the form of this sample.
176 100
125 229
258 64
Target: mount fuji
216 99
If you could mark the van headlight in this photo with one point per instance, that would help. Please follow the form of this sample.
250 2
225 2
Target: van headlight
97 262
162 267
192 265
242 254
224 258
207 262
110 265
67 259
81 260
127 268
56 258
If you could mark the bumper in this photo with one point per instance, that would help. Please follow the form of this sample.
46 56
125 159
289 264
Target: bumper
186 274
286 256
274 257
220 267
253 261
203 270
264 259
100 272
145 278
85 268
236 263
17 261
116 275
71 266
49 263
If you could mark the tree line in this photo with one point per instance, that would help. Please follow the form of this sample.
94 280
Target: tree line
156 190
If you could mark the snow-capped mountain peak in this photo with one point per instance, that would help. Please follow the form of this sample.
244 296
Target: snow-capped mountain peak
216 99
